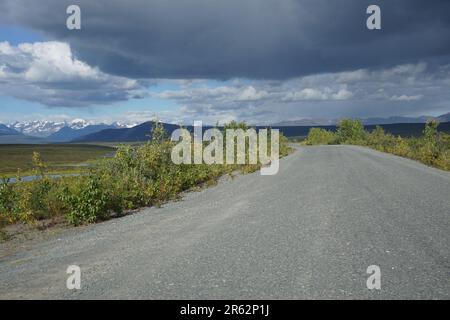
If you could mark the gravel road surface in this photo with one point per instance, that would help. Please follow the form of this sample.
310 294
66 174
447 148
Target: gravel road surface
309 232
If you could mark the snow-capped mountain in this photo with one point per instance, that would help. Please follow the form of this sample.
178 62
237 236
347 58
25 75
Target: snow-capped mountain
78 124
4 131
37 128
43 128
119 125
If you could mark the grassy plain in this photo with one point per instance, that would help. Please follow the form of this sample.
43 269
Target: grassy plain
58 157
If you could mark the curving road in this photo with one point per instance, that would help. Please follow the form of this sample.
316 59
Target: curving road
309 232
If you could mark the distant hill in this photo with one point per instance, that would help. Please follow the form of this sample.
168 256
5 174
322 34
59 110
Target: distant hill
5 131
67 134
367 121
409 129
142 132
21 139
444 117
306 123
395 120
12 136
401 129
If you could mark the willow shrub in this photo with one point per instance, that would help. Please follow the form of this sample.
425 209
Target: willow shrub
432 148
137 176
320 136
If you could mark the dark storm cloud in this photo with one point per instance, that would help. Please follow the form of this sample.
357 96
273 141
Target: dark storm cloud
270 39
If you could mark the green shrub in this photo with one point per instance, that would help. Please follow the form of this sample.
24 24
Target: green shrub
377 138
350 131
320 136
35 197
430 149
9 201
87 202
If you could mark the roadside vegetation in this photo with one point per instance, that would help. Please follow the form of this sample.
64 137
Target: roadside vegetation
136 176
432 148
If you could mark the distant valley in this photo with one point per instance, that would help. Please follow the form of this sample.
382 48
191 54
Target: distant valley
82 131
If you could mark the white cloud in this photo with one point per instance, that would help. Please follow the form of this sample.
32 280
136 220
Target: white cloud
48 72
342 94
305 94
53 61
404 97
222 93
406 69
317 94
251 94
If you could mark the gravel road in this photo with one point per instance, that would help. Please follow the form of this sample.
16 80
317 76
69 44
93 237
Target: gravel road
309 232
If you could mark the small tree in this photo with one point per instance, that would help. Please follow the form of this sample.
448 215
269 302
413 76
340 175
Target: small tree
377 138
39 164
320 136
158 132
235 125
429 151
430 131
350 131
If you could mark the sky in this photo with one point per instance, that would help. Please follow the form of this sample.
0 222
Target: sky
262 61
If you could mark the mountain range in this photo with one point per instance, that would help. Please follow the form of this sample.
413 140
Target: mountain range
142 132
39 131
367 121
44 129
6 131
66 134
80 130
